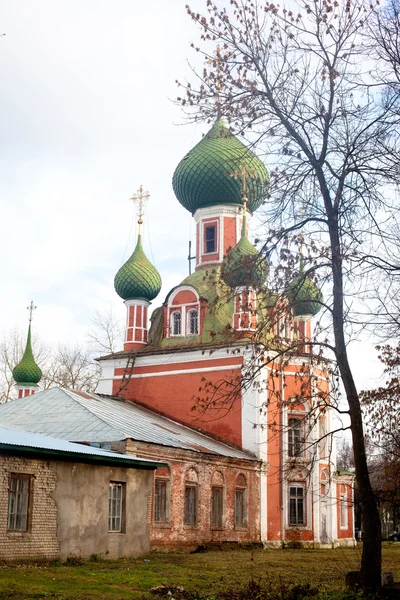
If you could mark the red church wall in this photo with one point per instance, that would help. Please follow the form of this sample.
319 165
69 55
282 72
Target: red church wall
274 494
174 534
229 233
174 394
344 499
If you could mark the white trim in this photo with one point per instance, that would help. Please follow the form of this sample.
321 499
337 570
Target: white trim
181 372
263 506
178 290
171 319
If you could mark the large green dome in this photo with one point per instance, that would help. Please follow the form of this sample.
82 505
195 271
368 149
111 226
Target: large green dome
27 371
304 296
243 266
203 177
138 279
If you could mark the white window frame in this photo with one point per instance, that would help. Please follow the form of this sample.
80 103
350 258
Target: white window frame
344 512
188 318
297 486
172 323
116 493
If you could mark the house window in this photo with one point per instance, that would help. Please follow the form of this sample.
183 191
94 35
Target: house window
190 516
296 505
295 437
344 521
115 506
217 506
160 501
176 323
211 239
193 322
18 502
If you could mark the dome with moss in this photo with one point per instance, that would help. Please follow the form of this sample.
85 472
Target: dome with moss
204 175
138 279
304 296
27 371
243 266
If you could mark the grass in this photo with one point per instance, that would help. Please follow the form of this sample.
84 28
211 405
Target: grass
207 573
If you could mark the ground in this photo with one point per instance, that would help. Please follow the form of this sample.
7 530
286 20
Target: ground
208 573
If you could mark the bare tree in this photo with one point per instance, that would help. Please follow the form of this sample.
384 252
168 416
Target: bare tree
299 80
71 367
106 333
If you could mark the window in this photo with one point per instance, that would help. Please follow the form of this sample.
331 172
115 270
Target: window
240 507
295 437
176 323
18 502
115 506
217 506
211 239
160 501
190 516
296 505
193 322
344 521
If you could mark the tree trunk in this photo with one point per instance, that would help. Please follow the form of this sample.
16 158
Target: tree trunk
371 560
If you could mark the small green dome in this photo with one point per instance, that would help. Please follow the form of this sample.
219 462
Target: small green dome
304 296
203 177
243 266
27 372
137 278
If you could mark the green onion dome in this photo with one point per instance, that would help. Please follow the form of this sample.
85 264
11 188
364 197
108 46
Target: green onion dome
243 266
138 279
203 177
304 296
27 371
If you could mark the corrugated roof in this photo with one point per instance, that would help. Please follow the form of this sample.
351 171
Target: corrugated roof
13 439
90 418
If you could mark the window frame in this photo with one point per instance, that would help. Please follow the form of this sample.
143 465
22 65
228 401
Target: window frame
188 321
15 494
296 497
113 485
296 444
217 506
186 513
344 514
164 483
241 492
172 327
210 226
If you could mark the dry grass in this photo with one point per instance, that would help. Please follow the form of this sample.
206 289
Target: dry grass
206 573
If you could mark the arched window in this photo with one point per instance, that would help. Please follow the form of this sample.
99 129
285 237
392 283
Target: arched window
193 322
191 500
176 323
162 492
217 500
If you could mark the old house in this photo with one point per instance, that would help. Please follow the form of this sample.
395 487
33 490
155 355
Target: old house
59 499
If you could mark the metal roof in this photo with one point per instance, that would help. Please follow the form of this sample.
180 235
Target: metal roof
80 417
25 441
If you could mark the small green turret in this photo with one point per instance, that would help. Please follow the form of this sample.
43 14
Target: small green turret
27 373
138 279
243 266
304 295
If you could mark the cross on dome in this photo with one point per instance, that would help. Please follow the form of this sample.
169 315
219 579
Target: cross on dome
140 197
31 308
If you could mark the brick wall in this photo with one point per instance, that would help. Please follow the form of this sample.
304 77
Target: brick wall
204 470
40 541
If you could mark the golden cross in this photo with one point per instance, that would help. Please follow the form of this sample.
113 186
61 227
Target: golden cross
140 197
31 308
243 173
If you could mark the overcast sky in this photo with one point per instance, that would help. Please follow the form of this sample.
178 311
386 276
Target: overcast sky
86 117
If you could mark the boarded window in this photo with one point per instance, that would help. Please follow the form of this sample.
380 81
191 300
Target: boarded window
18 502
217 506
190 516
296 505
160 501
211 239
115 506
240 507
295 437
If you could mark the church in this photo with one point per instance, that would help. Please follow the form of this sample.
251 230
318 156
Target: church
205 386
